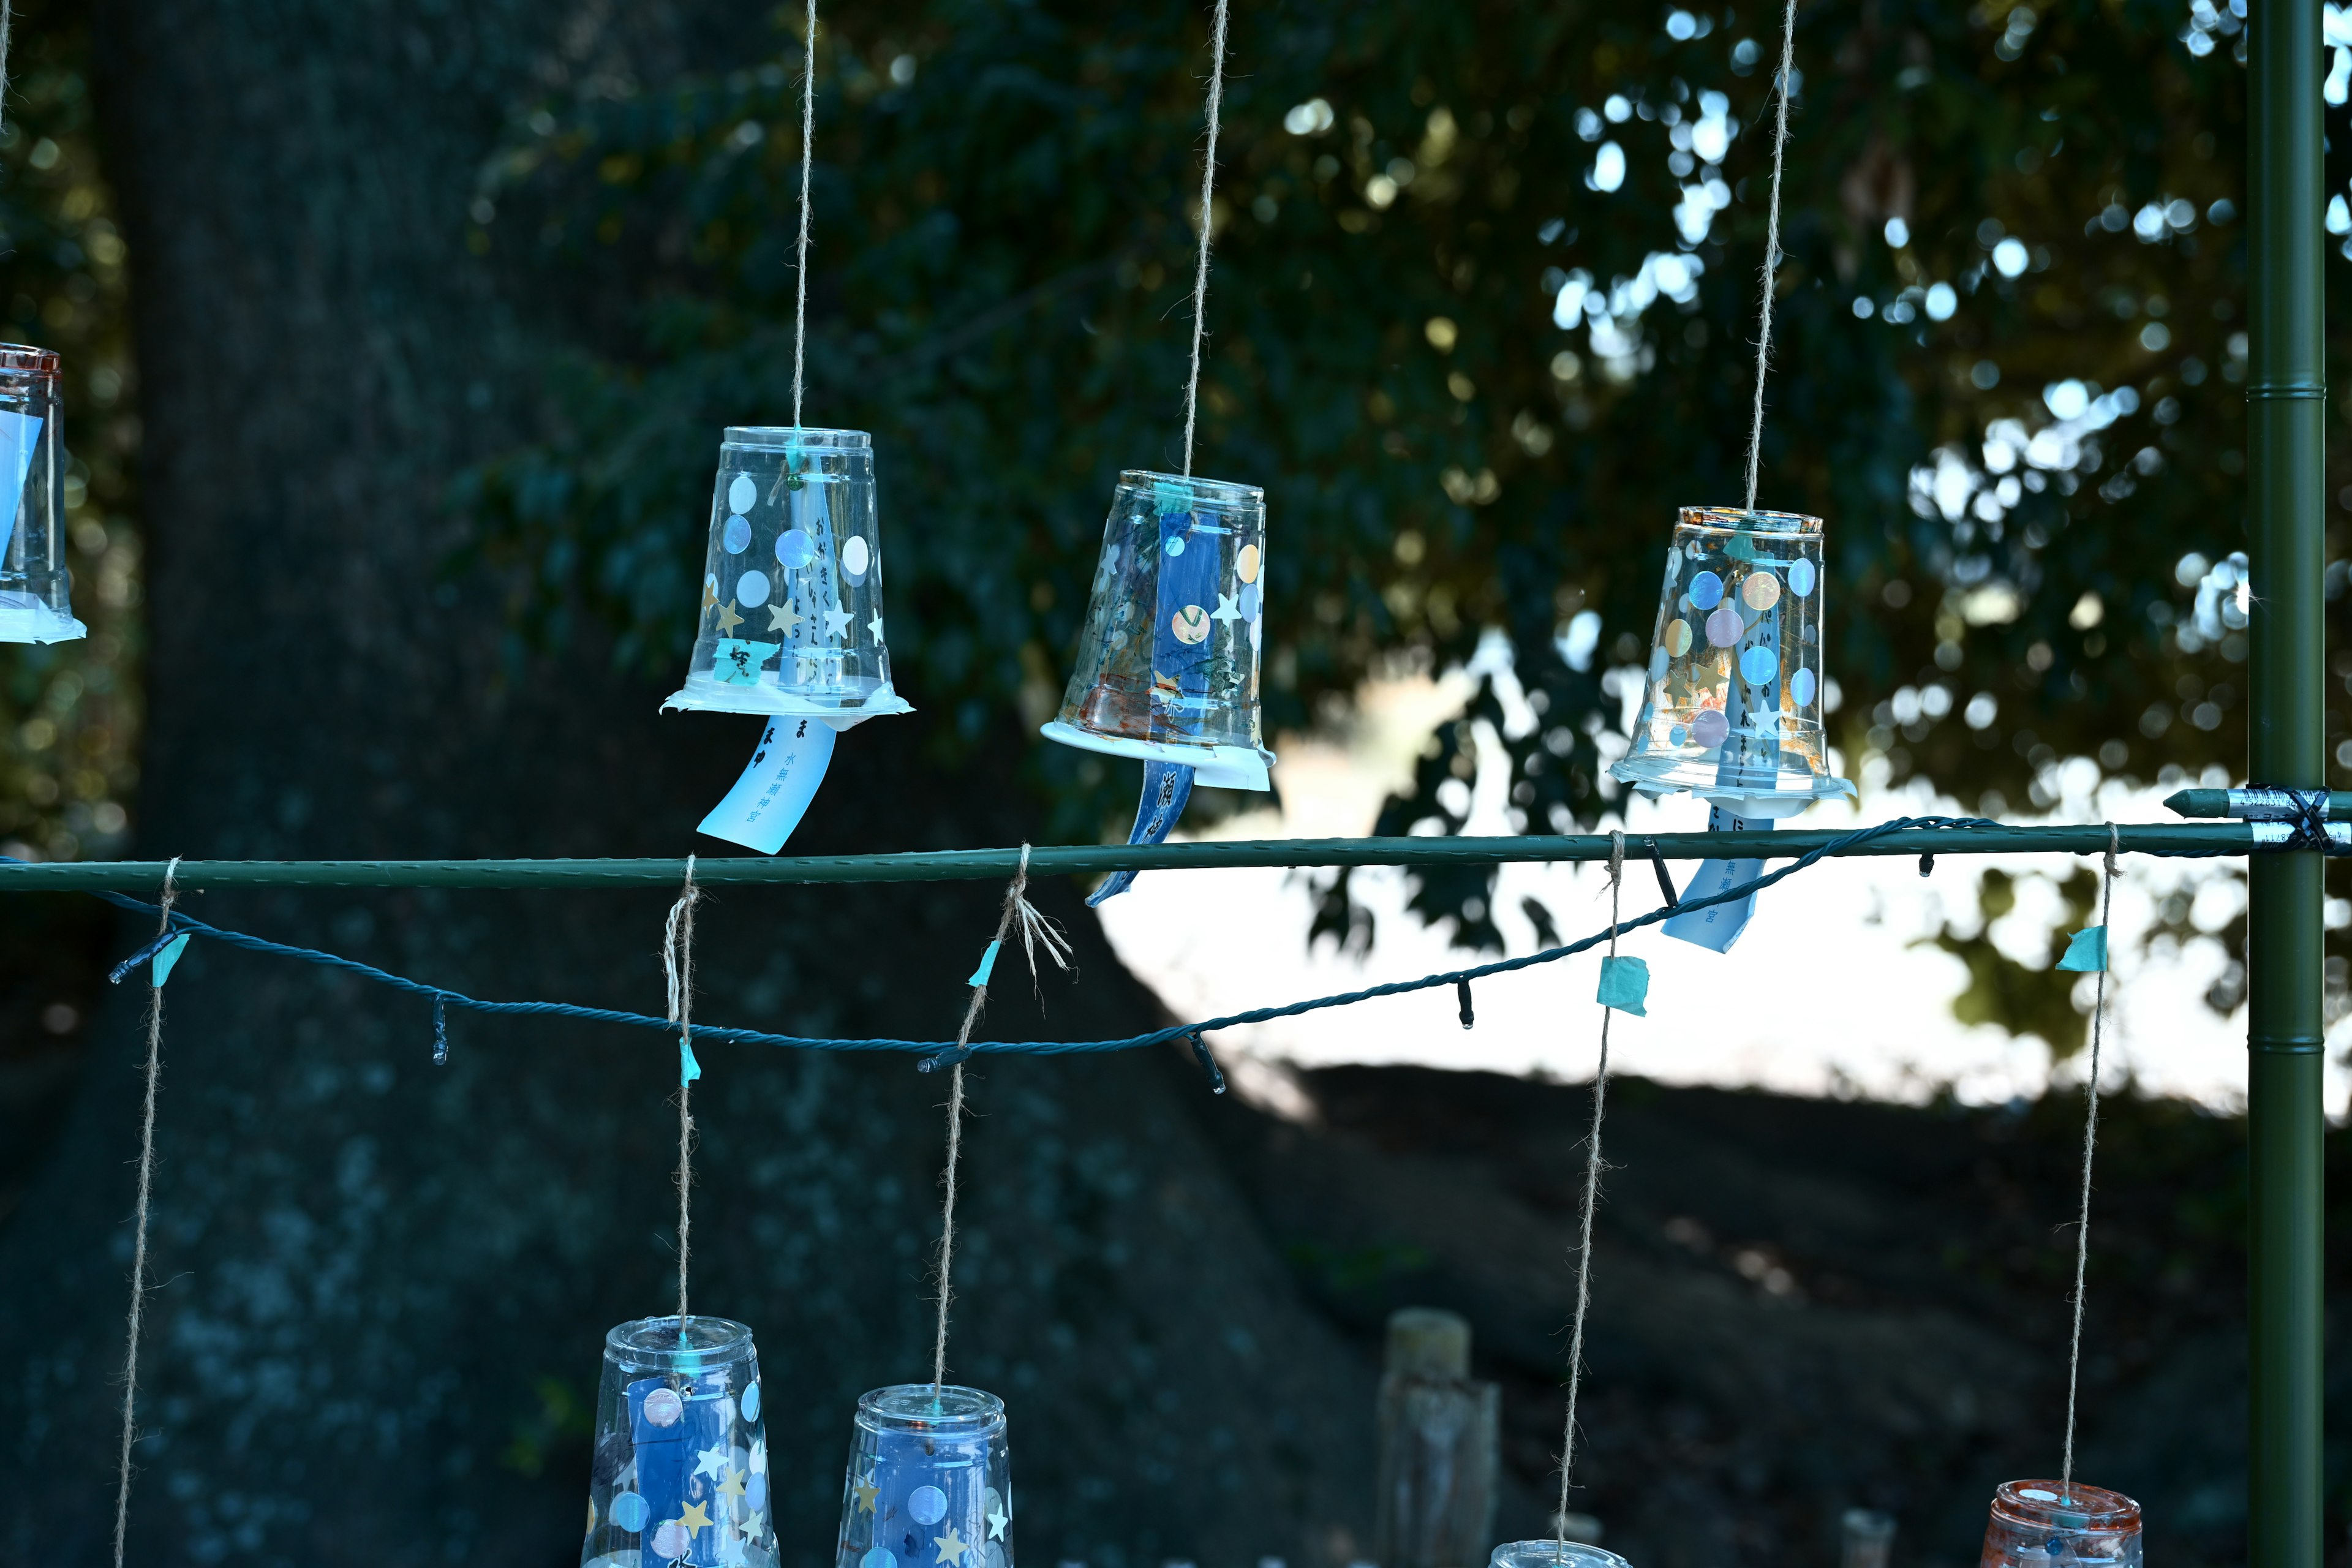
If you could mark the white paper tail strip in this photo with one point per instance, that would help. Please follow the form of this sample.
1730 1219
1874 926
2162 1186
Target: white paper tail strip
1771 244
160 971
1208 226
1036 929
677 966
1591 1200
2090 1145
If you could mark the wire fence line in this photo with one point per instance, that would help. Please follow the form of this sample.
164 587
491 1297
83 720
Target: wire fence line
1922 835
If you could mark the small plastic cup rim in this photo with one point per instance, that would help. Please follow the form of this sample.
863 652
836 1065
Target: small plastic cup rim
1583 1554
800 438
2041 1504
653 1342
1230 492
1750 520
947 1408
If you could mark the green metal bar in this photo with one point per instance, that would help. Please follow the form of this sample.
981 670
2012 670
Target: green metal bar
1089 860
2285 409
2216 803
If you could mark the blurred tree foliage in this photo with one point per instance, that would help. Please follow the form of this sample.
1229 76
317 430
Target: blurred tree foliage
1482 317
69 712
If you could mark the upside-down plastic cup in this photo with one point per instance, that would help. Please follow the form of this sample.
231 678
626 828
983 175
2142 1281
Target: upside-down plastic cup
680 1471
1732 712
1168 665
2041 1524
929 1483
790 617
35 603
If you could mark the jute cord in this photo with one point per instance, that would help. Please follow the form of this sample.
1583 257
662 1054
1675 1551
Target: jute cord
800 265
1591 1201
146 1188
1208 226
2090 1145
1036 929
677 966
1771 244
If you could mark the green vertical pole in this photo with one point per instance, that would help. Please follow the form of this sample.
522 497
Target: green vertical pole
2285 404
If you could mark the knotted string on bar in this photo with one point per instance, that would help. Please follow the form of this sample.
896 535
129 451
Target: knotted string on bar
1591 1200
1035 929
1771 244
677 966
139 1221
2090 1144
1208 224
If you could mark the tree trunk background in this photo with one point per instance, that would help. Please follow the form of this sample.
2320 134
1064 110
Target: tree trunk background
382 1287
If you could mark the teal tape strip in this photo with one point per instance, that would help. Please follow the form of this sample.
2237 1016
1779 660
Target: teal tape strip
165 960
688 1069
2086 954
1626 984
987 966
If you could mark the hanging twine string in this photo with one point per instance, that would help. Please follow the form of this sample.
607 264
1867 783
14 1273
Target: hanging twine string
1771 246
146 1186
1592 1199
677 965
8 19
2090 1144
1035 929
808 137
1208 189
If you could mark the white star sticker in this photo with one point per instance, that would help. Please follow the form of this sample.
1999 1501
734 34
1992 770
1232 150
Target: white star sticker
1228 610
713 1461
996 1524
874 625
836 623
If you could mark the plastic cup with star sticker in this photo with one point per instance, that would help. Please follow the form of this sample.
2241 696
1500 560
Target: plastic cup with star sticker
2041 1524
680 1468
791 606
1168 664
1733 706
930 1482
34 603
1553 1552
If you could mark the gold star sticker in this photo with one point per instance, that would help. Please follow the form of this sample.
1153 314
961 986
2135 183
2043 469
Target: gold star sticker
696 1517
733 1485
867 1492
784 619
728 619
951 1546
709 591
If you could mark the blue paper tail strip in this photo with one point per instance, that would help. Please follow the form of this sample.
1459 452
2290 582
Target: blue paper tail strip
954 1056
440 1032
768 801
1166 787
1462 1003
1717 926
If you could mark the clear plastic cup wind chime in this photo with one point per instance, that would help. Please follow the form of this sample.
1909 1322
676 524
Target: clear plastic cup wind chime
1732 712
1168 664
681 1459
791 619
34 603
929 1483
